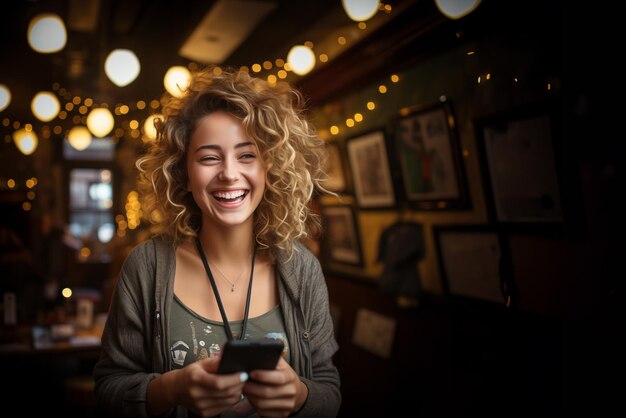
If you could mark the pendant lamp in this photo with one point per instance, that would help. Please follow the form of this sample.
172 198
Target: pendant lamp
122 67
25 140
301 59
100 122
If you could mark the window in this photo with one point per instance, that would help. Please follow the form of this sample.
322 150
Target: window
91 196
91 219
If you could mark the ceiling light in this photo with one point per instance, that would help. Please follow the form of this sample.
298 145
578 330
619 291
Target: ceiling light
456 9
45 106
301 59
46 33
360 10
100 122
79 137
25 140
176 80
5 97
122 67
227 24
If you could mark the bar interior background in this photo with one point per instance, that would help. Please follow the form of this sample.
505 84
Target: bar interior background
509 301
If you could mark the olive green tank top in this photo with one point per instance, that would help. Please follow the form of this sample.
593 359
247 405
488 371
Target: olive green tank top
193 337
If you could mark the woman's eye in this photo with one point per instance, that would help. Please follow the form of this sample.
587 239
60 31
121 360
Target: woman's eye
209 158
247 155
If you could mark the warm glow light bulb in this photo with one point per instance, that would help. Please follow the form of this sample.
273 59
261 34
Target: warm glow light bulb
26 141
79 137
45 106
106 232
100 122
360 10
149 130
176 80
122 67
5 97
456 9
46 33
301 59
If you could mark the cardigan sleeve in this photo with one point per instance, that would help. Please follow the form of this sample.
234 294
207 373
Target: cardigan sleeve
123 371
324 396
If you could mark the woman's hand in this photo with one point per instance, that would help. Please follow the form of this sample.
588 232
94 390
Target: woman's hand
198 388
276 393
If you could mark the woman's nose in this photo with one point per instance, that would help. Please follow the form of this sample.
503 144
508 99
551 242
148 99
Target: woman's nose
229 171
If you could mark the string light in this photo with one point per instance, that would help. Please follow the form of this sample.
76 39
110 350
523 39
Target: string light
281 68
357 117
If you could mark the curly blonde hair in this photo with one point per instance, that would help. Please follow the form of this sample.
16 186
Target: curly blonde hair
273 116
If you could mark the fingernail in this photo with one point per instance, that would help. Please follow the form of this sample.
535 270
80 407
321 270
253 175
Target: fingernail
243 377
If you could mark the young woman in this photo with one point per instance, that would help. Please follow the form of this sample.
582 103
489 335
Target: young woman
229 181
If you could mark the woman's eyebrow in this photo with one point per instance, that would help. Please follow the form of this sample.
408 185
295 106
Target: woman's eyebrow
218 147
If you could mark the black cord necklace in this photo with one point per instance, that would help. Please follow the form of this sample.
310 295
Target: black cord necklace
216 292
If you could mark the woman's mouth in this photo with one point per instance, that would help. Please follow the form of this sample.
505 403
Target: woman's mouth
232 196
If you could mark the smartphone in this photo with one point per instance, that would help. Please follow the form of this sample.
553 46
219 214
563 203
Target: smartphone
247 355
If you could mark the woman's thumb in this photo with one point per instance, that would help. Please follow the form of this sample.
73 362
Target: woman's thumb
209 364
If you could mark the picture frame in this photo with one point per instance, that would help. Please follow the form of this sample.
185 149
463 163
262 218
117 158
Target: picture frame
428 151
372 178
475 264
518 151
341 239
335 168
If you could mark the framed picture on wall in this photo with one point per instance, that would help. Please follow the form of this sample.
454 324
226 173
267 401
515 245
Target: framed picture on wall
429 153
475 264
335 166
340 240
371 174
519 167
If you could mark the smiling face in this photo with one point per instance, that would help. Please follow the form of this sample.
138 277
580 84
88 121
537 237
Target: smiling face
225 172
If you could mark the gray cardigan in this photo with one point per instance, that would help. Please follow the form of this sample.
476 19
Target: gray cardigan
136 335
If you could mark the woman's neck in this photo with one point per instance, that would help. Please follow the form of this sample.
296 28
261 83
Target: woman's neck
227 244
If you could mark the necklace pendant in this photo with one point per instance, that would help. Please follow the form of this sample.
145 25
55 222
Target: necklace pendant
232 288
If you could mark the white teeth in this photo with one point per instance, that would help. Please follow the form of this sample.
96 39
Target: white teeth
229 195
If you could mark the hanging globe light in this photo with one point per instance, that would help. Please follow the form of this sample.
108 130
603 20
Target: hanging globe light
45 106
122 67
456 9
79 137
5 97
176 80
149 130
46 33
100 122
25 140
360 10
301 59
